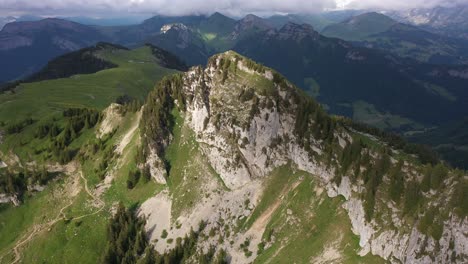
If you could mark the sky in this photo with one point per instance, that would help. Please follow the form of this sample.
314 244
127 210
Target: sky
106 8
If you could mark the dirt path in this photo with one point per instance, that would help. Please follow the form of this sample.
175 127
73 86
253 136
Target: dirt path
261 222
97 200
37 229
72 168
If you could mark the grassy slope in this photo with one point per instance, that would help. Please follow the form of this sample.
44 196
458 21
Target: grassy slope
315 224
73 242
137 72
78 241
135 76
189 168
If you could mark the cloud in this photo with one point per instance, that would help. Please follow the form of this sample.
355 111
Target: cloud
186 7
398 4
167 7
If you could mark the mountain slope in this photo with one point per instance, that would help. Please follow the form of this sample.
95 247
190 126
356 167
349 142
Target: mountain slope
183 41
25 47
379 31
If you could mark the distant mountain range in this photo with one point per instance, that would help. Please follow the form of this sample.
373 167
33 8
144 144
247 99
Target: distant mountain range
375 30
93 21
448 21
27 46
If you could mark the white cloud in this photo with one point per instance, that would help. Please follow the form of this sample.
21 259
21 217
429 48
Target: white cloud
167 7
398 4
185 7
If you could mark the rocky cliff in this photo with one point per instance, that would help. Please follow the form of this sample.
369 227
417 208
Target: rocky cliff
245 122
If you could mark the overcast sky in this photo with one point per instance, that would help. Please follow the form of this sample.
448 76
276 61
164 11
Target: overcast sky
184 7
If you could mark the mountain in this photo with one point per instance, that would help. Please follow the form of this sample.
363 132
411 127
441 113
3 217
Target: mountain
183 41
217 24
27 46
360 27
230 163
136 34
371 86
192 38
376 30
250 24
318 21
448 21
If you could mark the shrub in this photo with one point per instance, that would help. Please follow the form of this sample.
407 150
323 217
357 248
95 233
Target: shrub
133 178
164 234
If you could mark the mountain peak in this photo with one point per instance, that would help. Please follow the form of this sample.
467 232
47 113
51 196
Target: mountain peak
297 31
251 17
216 15
175 26
371 17
250 22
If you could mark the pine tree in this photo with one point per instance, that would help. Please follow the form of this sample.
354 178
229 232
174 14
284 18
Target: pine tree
397 183
437 176
412 197
426 182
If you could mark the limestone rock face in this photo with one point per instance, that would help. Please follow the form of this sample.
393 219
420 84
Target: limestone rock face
245 135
